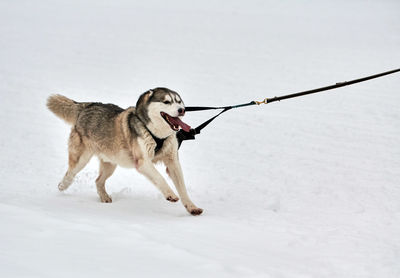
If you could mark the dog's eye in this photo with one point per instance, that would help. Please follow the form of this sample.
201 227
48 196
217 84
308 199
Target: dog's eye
167 102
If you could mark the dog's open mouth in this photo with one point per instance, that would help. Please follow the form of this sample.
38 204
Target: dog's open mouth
175 122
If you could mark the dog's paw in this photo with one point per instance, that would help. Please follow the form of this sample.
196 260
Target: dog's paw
196 211
172 199
105 199
193 210
62 187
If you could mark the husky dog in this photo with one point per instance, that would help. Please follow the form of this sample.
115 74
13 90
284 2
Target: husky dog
136 137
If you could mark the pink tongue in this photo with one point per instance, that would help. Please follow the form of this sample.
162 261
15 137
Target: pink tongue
177 121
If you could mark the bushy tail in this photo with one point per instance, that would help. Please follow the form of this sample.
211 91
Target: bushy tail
65 108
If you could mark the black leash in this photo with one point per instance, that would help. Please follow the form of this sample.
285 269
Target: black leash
183 135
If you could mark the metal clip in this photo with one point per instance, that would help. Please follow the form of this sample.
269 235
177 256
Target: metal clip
264 101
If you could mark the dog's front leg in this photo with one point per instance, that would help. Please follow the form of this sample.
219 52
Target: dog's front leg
146 168
175 172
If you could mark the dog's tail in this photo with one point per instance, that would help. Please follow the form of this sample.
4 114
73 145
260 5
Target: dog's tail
65 108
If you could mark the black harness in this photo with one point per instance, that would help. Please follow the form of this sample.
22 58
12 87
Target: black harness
159 141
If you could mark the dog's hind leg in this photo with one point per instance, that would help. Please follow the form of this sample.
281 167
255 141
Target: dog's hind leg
78 156
106 170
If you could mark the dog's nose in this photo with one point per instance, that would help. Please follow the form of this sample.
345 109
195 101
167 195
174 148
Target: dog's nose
181 111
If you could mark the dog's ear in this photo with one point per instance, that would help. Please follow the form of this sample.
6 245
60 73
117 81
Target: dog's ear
147 95
144 98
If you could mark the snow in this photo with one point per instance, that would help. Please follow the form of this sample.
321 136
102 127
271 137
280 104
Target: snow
308 187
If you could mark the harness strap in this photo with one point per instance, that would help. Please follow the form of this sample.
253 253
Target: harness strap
159 141
182 135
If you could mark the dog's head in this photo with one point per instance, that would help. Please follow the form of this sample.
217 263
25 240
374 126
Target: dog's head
161 110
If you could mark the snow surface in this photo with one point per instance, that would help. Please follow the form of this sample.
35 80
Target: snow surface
308 187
